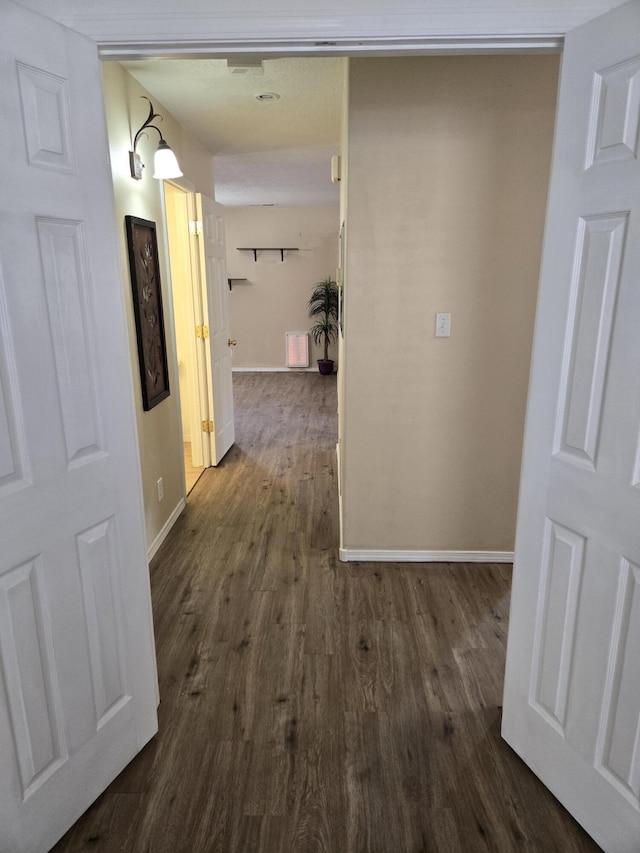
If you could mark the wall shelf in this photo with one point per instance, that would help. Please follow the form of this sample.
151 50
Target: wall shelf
267 249
232 279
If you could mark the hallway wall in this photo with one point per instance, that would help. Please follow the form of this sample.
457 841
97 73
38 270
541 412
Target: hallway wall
158 429
448 167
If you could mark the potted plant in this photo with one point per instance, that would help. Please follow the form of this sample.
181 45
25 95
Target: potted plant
323 308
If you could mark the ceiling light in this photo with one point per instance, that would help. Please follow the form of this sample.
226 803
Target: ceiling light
165 164
267 96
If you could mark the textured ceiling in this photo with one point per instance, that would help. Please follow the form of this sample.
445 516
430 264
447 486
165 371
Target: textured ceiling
266 152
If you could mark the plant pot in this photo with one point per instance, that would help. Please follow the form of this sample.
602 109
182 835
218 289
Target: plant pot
325 366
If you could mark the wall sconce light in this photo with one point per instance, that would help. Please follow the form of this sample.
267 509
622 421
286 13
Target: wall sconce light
165 164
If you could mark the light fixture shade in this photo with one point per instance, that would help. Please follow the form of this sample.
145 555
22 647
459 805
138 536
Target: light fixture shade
165 164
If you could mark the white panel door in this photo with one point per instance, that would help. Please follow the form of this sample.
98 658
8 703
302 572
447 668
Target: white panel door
78 688
572 691
216 298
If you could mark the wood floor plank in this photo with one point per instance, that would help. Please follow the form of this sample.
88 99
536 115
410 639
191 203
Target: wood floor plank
311 705
324 611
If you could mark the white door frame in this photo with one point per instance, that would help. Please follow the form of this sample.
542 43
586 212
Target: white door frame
308 28
215 299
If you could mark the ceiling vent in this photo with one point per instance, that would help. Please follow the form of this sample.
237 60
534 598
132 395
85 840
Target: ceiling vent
243 65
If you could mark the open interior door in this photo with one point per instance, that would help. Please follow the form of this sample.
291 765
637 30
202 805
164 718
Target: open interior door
572 691
186 286
78 688
216 298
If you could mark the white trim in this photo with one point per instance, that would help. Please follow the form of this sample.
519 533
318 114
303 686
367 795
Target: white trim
348 555
275 369
191 48
464 26
166 527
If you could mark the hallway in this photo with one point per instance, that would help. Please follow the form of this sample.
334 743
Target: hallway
311 705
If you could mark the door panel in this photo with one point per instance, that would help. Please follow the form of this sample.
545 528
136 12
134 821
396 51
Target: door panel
180 211
213 262
572 688
78 688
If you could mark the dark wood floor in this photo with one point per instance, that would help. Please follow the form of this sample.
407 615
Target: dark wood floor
310 705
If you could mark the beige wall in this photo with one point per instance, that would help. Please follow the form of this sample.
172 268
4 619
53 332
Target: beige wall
274 298
177 216
158 429
447 176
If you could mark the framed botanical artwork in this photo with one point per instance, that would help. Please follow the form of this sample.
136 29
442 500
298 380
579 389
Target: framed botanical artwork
147 308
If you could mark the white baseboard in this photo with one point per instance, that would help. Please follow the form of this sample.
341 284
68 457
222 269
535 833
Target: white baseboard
348 555
166 527
275 369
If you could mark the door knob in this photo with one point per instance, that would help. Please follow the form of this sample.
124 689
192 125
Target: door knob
232 342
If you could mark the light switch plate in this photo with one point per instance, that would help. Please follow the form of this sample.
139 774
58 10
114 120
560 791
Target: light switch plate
443 325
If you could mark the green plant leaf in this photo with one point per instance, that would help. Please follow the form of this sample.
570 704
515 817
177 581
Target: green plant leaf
323 307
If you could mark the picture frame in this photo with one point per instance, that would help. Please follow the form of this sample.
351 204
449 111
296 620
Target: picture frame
147 308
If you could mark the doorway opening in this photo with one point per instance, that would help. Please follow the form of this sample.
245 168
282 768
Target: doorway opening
188 312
